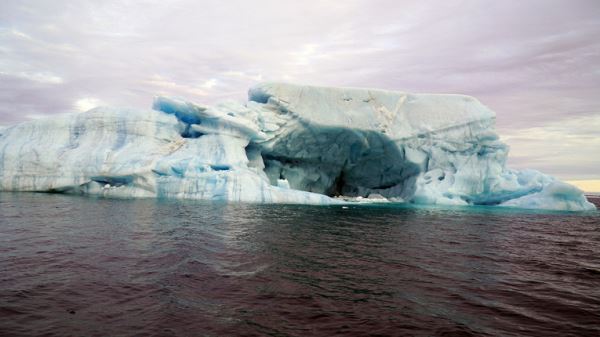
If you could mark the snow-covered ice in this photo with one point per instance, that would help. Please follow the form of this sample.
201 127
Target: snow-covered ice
287 144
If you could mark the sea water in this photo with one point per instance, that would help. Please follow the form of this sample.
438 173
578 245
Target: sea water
81 266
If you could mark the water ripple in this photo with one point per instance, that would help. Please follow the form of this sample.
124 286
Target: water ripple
97 267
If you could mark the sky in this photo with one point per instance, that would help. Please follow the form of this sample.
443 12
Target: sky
536 63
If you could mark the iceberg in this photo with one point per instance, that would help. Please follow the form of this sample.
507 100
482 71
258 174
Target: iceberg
287 144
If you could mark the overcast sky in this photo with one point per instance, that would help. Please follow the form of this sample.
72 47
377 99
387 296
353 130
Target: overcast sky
536 63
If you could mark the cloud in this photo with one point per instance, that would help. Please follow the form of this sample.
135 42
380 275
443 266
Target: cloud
209 84
37 77
164 86
568 148
87 103
243 75
534 62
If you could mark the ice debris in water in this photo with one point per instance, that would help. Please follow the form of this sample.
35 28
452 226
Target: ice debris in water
287 144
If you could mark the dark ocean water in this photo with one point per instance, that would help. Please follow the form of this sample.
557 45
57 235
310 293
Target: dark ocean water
75 266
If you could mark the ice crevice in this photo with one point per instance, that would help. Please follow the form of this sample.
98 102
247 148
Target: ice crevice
287 144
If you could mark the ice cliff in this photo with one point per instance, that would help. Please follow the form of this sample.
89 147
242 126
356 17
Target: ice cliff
287 144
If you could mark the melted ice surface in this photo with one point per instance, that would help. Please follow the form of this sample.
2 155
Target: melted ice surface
287 144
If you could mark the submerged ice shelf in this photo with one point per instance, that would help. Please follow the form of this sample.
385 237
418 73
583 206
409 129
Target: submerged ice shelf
287 144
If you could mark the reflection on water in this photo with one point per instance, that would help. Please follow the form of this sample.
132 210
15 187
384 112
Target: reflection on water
85 266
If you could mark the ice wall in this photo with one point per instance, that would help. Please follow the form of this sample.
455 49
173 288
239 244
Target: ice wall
287 144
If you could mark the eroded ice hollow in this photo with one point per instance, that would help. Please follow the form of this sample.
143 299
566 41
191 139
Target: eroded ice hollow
287 144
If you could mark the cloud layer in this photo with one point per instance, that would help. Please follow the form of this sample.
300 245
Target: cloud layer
536 63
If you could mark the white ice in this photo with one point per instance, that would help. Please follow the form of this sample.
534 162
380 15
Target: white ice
287 144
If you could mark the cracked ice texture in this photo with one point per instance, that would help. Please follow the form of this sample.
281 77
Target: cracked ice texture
287 144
